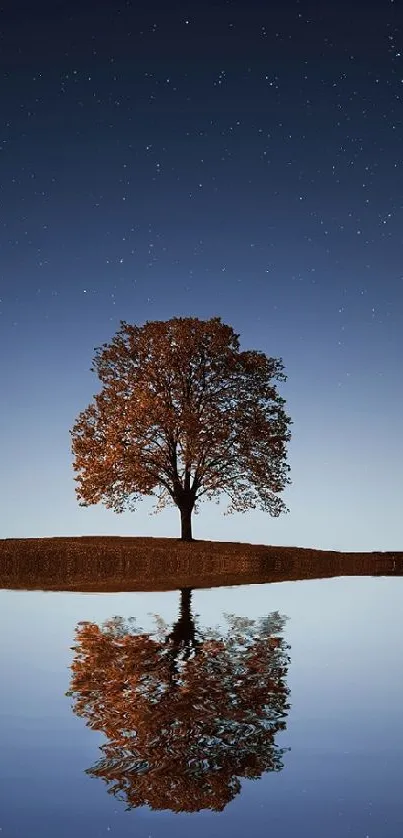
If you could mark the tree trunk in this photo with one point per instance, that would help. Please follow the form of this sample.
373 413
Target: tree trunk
186 523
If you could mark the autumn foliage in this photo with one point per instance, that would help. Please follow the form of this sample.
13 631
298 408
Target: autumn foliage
183 414
186 715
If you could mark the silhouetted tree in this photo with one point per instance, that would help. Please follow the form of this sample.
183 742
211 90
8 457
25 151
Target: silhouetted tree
186 714
183 414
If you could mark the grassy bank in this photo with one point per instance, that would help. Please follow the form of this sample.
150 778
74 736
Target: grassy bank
108 563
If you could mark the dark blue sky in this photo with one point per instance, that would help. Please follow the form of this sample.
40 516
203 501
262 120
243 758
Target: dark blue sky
241 159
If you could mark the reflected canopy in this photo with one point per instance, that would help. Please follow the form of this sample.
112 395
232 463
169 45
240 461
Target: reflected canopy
187 712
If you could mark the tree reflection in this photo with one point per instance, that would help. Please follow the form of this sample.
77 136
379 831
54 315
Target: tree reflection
186 713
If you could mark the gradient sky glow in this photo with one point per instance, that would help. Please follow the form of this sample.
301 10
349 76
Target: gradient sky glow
241 159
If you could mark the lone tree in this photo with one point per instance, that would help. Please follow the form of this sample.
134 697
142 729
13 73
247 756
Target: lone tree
182 414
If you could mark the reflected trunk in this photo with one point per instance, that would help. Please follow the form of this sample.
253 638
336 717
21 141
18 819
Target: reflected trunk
183 639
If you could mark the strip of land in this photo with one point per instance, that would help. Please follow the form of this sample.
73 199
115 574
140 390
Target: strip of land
108 563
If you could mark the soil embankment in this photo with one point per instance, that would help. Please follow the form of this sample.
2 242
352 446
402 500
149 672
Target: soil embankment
109 563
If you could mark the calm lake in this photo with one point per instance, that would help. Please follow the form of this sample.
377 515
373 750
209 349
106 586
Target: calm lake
272 709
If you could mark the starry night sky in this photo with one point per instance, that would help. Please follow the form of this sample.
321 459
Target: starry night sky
231 158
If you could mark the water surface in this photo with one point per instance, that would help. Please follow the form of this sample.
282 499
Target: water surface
263 709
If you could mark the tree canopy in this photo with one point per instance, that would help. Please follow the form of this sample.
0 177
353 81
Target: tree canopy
186 713
183 414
